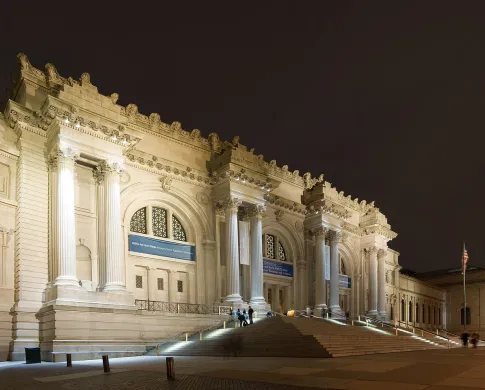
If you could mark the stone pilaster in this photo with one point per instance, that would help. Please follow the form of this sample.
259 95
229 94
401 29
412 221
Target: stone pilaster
232 251
257 297
334 303
381 283
115 262
320 283
63 218
373 281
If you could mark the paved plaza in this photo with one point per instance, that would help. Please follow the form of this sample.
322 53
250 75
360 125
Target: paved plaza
430 370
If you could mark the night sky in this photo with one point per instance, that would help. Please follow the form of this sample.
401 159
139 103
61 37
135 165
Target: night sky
384 98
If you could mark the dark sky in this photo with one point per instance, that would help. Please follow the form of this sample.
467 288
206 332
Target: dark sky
384 98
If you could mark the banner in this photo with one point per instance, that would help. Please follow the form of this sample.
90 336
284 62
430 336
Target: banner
326 256
244 242
153 246
276 268
344 281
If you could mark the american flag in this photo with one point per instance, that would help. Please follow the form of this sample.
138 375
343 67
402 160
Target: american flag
464 260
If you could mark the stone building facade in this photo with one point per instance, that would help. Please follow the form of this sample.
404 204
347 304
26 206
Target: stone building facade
102 206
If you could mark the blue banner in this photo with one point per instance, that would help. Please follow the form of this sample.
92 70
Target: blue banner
345 281
153 246
276 268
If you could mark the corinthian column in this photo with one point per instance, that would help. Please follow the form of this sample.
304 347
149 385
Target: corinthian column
334 272
381 283
232 251
372 281
320 286
63 218
114 259
256 215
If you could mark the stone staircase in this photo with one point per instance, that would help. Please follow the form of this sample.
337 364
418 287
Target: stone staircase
299 337
341 339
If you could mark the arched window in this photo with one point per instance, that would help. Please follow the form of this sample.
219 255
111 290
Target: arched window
417 313
154 221
273 248
410 311
403 311
392 312
422 315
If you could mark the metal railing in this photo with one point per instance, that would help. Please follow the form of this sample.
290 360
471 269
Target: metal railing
182 308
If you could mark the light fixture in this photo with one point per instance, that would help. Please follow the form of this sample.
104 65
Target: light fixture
78 125
124 142
114 137
66 120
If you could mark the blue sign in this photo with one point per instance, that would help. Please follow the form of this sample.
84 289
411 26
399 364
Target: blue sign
276 268
152 246
344 281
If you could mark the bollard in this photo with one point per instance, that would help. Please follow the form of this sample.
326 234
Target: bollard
186 337
352 322
158 350
170 368
414 331
437 332
327 315
422 333
69 360
105 363
396 331
224 324
200 336
359 317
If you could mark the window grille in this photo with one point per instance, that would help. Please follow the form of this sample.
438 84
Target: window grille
138 223
160 283
178 230
139 281
159 222
180 286
281 252
270 241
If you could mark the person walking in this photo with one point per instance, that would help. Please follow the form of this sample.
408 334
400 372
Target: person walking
250 313
241 319
464 338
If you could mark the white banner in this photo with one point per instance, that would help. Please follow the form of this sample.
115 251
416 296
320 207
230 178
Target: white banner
243 242
326 256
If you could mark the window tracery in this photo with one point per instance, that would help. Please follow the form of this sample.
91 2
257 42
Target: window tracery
159 222
273 248
138 223
178 230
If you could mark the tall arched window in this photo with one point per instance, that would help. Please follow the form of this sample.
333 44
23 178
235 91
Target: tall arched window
417 313
422 315
158 222
410 311
403 311
273 248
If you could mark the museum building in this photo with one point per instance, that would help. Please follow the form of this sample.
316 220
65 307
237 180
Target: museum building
117 227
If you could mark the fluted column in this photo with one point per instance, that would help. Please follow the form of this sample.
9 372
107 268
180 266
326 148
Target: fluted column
310 276
320 284
115 262
334 303
232 251
373 280
256 216
381 283
63 218
302 301
100 214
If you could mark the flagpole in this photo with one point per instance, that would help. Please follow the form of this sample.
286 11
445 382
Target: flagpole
464 288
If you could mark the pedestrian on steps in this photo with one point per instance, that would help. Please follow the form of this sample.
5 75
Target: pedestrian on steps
250 312
464 338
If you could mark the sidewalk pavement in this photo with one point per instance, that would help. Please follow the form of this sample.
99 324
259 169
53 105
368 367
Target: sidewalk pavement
430 370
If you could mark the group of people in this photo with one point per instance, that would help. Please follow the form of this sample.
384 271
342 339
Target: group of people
473 339
244 317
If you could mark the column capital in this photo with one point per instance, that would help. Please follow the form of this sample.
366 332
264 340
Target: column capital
372 249
232 204
334 236
320 231
257 210
59 153
381 253
301 264
110 167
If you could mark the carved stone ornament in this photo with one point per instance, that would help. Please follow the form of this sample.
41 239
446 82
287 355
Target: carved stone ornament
23 61
321 231
381 253
154 119
298 226
257 210
232 203
279 215
131 110
214 143
166 182
111 167
125 177
52 74
85 79
176 127
335 236
202 198
114 97
65 153
220 211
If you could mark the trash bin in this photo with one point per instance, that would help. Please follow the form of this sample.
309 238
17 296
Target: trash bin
32 355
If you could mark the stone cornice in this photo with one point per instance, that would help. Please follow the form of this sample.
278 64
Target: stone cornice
286 205
325 206
380 230
9 155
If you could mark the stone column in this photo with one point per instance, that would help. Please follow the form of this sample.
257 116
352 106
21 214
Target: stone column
275 298
63 218
373 281
219 214
334 303
115 262
232 251
302 301
381 283
257 297
172 281
100 214
310 261
320 284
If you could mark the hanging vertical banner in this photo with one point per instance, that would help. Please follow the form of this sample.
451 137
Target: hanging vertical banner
244 242
326 257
